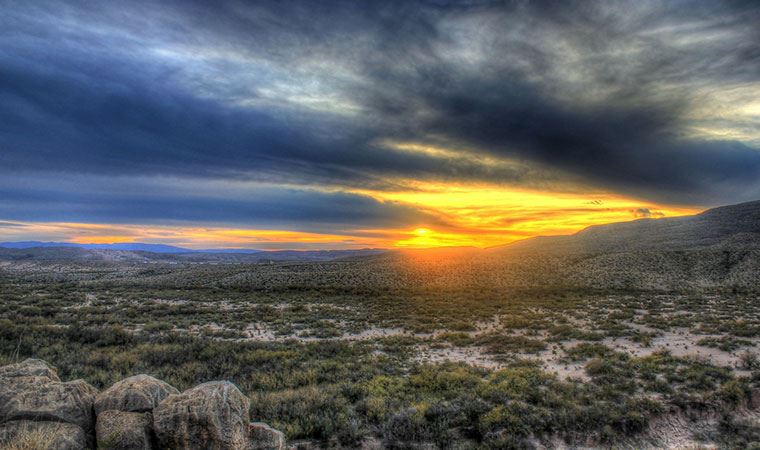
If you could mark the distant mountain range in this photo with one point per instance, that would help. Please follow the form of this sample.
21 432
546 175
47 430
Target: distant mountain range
140 252
130 246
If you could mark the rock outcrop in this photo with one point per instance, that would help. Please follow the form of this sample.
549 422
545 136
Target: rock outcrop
213 415
140 393
124 412
29 368
31 391
264 437
36 398
40 411
123 430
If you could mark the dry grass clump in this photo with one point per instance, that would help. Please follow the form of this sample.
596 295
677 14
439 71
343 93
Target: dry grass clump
29 438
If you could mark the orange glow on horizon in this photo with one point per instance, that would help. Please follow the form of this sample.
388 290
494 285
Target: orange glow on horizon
485 216
457 216
213 237
102 239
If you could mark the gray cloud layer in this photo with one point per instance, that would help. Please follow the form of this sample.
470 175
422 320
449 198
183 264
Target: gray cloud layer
303 92
151 201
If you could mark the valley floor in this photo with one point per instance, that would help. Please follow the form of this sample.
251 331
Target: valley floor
400 354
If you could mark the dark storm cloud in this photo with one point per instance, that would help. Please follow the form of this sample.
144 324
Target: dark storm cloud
303 91
636 150
586 89
105 113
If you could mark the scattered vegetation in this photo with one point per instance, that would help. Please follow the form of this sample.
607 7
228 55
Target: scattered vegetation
331 351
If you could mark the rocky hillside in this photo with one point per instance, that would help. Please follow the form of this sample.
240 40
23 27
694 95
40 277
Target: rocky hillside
719 248
39 411
735 226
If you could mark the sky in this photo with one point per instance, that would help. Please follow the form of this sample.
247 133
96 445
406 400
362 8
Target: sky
296 124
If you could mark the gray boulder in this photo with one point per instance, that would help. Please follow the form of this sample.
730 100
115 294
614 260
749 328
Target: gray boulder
121 430
29 368
42 435
211 416
140 393
40 399
264 437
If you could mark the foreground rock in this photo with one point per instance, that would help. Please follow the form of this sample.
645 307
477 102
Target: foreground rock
123 430
29 368
39 399
212 415
140 393
264 437
35 405
124 413
38 411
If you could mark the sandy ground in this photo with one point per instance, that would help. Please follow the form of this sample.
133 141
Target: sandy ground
679 342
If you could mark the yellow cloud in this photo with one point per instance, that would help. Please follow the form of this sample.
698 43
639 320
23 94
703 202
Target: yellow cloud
483 215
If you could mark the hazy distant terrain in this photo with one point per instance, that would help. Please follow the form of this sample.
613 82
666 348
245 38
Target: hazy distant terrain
718 248
57 252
